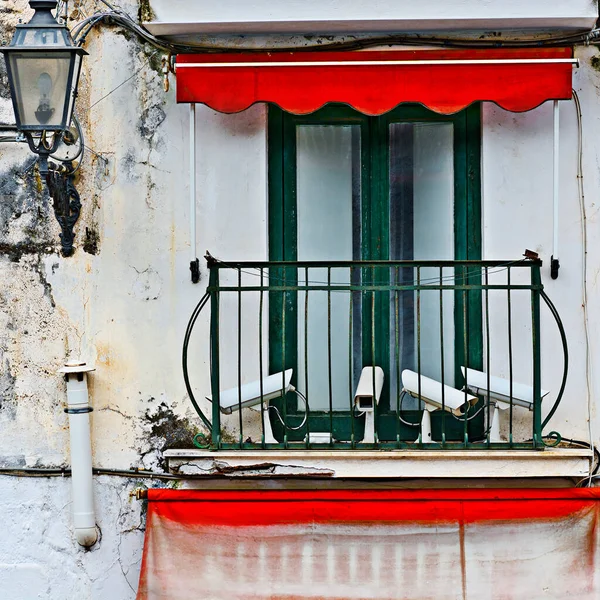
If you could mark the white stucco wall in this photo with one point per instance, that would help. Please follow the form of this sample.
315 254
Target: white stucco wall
124 306
517 214
39 557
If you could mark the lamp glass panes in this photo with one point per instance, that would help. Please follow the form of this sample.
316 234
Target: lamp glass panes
43 67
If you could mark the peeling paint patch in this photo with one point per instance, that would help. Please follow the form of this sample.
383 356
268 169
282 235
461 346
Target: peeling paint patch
217 468
24 207
91 241
165 430
173 430
147 284
16 461
7 390
15 252
128 165
145 12
39 268
151 119
4 89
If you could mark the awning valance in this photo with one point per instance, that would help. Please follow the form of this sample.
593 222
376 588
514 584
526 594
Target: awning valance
379 544
375 82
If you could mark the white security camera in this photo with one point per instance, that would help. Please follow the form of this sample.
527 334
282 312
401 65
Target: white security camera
499 388
435 395
249 395
366 396
369 388
499 392
432 392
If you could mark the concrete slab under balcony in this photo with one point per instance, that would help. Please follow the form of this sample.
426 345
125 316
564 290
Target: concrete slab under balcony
394 464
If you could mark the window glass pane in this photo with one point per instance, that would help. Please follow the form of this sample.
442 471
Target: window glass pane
329 218
422 228
41 84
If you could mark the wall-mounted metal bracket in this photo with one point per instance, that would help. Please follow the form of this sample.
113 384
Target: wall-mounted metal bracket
211 261
531 255
554 267
195 269
44 148
67 204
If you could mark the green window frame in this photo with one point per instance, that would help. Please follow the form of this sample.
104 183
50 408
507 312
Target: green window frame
282 232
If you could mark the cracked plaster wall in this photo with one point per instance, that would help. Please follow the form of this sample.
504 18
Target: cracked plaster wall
123 300
39 557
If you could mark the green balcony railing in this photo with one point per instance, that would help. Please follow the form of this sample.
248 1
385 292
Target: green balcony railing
322 323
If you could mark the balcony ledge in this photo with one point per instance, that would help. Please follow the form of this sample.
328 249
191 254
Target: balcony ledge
396 464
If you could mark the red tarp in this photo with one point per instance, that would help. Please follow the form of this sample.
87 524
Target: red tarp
384 544
443 83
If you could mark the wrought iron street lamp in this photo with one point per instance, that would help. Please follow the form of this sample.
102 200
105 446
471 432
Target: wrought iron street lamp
43 65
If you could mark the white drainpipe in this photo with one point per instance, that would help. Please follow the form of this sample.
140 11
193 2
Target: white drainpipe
78 409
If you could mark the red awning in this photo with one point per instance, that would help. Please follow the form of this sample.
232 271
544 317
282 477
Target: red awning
382 544
375 82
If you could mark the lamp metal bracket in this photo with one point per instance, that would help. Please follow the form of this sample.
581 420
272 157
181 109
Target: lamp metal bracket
66 201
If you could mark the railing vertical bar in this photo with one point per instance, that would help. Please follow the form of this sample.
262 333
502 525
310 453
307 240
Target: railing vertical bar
510 358
420 438
397 356
373 361
442 357
306 394
537 375
487 351
466 356
283 363
350 362
260 358
329 366
215 358
239 357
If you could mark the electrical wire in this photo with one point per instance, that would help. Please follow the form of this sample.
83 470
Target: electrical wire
116 87
66 472
258 272
593 467
462 420
31 165
584 294
80 154
289 427
184 358
563 336
116 16
108 4
403 394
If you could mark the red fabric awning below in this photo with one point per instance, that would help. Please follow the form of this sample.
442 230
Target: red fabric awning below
375 82
383 544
